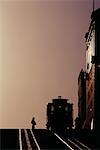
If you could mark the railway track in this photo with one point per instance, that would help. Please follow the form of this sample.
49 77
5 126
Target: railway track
39 139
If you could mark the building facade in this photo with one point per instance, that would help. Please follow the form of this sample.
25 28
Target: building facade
93 73
81 98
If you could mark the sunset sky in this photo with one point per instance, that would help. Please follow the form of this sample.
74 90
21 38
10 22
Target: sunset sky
42 50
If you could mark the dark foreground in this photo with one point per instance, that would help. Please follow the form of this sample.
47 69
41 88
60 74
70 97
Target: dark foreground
42 139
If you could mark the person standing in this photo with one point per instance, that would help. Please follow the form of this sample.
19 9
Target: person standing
33 123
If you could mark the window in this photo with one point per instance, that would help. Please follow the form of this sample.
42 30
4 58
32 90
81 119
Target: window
52 108
66 108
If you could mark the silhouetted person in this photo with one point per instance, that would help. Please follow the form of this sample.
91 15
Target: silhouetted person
33 123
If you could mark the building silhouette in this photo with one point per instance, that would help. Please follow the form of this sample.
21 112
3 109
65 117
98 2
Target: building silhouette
92 81
59 115
93 70
81 99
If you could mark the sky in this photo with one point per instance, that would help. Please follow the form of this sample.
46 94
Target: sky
42 50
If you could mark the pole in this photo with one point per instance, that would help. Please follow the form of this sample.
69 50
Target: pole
93 5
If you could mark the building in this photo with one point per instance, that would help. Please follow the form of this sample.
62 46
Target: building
92 38
59 115
81 98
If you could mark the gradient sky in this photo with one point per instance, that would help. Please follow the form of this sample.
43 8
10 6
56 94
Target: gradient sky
42 50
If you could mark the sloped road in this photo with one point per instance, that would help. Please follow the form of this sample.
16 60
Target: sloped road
39 139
